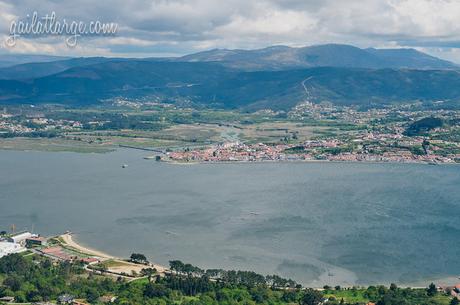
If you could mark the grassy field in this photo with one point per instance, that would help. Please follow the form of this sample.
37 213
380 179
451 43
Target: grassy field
52 145
349 296
359 296
208 128
120 267
273 132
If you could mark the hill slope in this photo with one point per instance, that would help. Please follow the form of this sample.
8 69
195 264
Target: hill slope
41 69
213 85
8 60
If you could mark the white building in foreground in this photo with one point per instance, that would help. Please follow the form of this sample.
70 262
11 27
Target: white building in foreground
7 248
20 237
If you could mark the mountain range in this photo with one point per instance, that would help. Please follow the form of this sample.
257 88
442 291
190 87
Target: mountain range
277 77
329 55
8 60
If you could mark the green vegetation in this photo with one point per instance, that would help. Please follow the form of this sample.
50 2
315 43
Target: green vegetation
423 126
39 279
51 145
382 295
138 258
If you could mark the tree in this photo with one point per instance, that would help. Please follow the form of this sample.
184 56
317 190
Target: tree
289 296
214 272
454 301
102 267
190 269
92 295
148 272
138 258
276 281
13 263
431 290
311 297
177 266
260 294
152 290
13 283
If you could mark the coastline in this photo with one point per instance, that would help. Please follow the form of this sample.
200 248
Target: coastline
68 240
174 162
177 162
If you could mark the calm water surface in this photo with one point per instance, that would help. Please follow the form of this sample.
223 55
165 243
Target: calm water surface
334 223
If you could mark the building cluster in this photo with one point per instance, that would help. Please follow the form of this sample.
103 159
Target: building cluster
66 299
370 148
7 125
35 122
352 114
71 300
232 152
21 242
36 244
17 243
454 290
374 135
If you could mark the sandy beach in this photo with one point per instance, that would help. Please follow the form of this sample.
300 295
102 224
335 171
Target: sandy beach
126 267
68 240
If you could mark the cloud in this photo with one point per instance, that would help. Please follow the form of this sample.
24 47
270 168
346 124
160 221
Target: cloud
176 27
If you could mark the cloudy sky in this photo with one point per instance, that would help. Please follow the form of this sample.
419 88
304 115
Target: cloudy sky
177 27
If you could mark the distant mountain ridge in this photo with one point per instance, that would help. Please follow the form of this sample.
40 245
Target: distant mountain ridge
40 69
329 55
9 60
271 58
277 77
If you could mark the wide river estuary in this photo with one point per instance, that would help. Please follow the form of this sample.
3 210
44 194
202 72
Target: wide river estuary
318 223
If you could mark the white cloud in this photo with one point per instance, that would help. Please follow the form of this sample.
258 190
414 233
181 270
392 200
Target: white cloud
6 16
129 41
433 18
156 27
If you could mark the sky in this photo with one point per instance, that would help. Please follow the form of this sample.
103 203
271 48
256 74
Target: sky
179 27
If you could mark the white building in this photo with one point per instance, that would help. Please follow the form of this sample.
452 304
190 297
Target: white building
20 238
7 248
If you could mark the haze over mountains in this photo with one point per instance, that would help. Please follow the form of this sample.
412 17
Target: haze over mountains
8 60
329 55
277 77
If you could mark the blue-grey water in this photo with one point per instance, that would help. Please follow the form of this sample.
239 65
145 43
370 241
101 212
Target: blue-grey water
334 223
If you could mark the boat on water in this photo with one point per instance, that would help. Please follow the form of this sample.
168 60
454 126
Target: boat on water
124 166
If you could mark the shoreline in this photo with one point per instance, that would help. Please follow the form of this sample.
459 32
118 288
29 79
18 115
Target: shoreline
68 240
173 162
177 162
418 284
